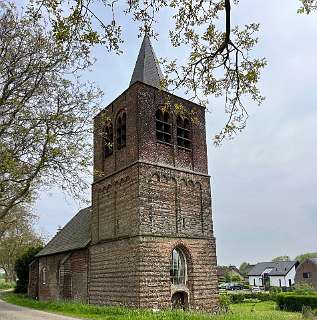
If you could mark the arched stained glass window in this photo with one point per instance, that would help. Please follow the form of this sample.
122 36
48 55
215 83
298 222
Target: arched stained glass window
178 267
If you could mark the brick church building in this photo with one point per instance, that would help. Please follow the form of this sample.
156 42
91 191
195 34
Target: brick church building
147 240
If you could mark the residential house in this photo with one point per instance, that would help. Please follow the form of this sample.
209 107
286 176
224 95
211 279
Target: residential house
273 274
307 272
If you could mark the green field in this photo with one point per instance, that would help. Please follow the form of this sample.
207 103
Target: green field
244 311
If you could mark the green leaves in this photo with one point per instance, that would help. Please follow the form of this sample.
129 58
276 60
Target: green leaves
307 6
45 111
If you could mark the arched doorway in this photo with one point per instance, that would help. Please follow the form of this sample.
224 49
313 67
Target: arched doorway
180 300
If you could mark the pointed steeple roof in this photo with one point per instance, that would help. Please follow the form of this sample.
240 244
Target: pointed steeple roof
147 69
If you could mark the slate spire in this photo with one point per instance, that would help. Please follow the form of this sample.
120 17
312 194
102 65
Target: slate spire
147 69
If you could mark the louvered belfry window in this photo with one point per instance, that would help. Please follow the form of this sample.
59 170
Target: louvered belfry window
163 127
183 133
121 131
108 140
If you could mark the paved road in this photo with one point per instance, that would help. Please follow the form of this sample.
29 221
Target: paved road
11 312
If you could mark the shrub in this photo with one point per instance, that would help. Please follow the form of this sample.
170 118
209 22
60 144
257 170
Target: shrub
275 290
6 285
296 302
224 302
236 297
259 296
22 269
303 288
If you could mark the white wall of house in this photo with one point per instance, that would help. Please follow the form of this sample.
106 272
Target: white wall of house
283 281
255 281
278 281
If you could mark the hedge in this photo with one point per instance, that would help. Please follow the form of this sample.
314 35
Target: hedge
241 296
295 302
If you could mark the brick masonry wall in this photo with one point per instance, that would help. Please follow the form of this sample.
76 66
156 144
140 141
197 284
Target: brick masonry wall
33 279
148 199
155 286
114 276
149 101
174 202
66 276
135 272
115 206
307 266
103 167
50 289
140 102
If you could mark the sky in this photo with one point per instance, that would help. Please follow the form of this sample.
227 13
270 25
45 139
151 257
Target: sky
264 181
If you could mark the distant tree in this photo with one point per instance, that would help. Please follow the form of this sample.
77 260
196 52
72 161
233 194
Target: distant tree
281 258
22 268
244 267
227 276
231 276
16 239
304 256
45 111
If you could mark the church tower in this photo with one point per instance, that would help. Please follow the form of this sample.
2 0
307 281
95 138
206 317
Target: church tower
152 233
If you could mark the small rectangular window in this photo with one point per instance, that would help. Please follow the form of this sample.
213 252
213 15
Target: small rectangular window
306 275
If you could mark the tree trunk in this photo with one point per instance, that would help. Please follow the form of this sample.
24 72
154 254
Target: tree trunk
10 275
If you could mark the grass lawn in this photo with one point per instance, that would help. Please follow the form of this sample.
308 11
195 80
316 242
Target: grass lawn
244 311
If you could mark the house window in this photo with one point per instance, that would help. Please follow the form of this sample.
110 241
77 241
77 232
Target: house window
306 275
121 131
108 140
280 282
183 133
163 127
178 267
254 282
44 275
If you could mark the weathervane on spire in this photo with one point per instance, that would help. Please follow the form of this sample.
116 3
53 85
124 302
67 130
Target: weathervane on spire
146 28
